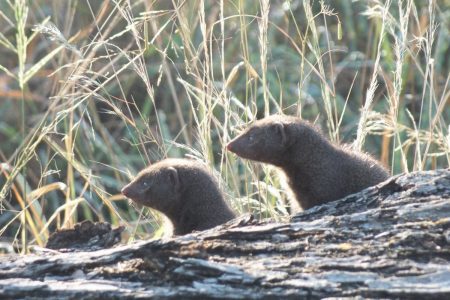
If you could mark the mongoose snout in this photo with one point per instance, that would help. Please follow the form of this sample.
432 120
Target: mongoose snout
129 192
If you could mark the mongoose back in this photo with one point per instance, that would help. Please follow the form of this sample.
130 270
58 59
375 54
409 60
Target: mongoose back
317 171
185 191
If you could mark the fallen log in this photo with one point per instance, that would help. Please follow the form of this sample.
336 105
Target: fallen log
391 240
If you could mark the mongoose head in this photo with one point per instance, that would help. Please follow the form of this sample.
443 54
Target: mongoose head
157 186
269 140
185 191
266 140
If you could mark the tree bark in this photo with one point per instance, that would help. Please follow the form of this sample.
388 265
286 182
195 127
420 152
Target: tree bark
392 240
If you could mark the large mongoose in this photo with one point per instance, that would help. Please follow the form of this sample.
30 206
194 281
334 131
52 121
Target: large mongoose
185 191
317 171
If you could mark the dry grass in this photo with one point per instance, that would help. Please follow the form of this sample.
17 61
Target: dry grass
92 91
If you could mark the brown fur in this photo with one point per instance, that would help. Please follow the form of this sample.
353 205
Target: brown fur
185 191
318 171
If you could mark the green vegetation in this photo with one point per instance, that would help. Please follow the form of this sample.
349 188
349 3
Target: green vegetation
93 91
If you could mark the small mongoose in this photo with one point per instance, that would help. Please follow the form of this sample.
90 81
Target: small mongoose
185 191
317 171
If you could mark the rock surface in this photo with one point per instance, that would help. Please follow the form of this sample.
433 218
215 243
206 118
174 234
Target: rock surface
389 241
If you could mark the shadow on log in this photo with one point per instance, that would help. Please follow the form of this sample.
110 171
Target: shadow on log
392 240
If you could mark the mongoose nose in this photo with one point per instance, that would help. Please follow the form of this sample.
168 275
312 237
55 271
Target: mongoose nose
230 146
125 191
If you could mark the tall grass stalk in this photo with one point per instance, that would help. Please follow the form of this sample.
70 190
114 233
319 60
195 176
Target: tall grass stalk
365 111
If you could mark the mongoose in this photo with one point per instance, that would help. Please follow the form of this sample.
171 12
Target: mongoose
317 171
185 191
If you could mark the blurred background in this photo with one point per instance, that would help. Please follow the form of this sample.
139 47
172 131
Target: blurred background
93 91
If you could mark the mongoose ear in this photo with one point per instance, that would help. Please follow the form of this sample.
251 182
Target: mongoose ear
173 176
281 130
